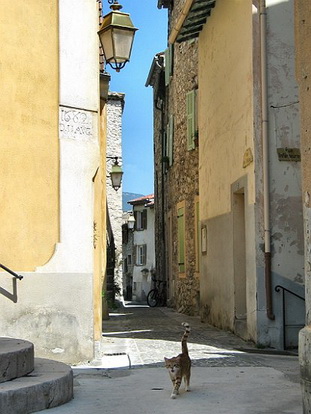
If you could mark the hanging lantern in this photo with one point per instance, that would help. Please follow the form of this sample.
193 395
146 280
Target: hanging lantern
116 36
116 175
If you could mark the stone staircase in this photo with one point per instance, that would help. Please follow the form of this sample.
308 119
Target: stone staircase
29 384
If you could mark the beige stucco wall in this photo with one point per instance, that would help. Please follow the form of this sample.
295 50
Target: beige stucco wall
29 166
225 102
225 133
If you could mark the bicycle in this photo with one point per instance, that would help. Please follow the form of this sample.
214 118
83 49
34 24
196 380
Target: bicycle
157 295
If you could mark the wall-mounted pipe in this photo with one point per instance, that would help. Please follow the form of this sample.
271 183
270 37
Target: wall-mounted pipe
265 145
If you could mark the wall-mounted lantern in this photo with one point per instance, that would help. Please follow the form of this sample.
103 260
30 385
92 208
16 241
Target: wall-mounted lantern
131 222
116 174
116 35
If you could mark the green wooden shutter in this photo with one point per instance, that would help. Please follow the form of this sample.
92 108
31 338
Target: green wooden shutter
181 239
169 55
167 66
170 139
191 124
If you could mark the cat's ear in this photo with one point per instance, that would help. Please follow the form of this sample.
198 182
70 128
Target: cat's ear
165 359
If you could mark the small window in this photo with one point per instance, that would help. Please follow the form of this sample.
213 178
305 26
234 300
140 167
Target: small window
141 252
140 220
129 259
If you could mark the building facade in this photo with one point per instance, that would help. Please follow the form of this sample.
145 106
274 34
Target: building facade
303 65
250 209
174 78
52 171
139 249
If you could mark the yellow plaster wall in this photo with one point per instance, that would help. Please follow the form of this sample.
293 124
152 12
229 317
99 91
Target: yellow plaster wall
29 162
100 225
225 104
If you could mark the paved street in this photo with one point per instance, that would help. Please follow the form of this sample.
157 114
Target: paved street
228 374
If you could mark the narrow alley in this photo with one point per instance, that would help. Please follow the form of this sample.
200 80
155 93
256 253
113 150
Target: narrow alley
228 374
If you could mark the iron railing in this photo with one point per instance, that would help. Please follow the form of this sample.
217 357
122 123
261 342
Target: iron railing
11 272
284 289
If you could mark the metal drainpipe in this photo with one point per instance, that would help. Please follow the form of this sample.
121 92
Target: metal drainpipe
265 144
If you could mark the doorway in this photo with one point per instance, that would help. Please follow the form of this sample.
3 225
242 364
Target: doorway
239 262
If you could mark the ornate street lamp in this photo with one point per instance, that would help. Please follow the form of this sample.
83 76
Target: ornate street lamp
116 36
116 174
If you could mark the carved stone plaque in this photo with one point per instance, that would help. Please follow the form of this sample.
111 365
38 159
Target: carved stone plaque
76 124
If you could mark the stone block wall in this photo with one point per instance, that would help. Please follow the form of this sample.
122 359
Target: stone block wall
115 106
179 182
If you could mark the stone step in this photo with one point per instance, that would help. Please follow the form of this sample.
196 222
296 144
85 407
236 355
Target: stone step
16 358
49 385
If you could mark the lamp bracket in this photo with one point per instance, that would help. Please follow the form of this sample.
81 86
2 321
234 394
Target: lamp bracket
115 5
116 158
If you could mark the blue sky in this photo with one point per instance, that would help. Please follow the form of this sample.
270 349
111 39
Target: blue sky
137 124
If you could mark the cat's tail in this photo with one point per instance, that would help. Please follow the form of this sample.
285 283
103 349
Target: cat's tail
184 338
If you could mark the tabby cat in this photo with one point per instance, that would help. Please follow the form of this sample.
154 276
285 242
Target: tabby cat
179 367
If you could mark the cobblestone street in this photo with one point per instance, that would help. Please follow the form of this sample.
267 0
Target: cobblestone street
229 375
147 335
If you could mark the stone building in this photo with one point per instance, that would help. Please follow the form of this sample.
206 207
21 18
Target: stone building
173 76
139 249
115 105
245 165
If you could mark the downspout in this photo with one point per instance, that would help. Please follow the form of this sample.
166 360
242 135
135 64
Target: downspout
265 153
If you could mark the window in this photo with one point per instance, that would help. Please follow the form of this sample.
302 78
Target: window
125 266
181 236
129 259
141 254
140 220
192 128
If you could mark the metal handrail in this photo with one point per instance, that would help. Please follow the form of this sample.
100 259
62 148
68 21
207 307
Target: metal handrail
278 287
11 272
284 289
